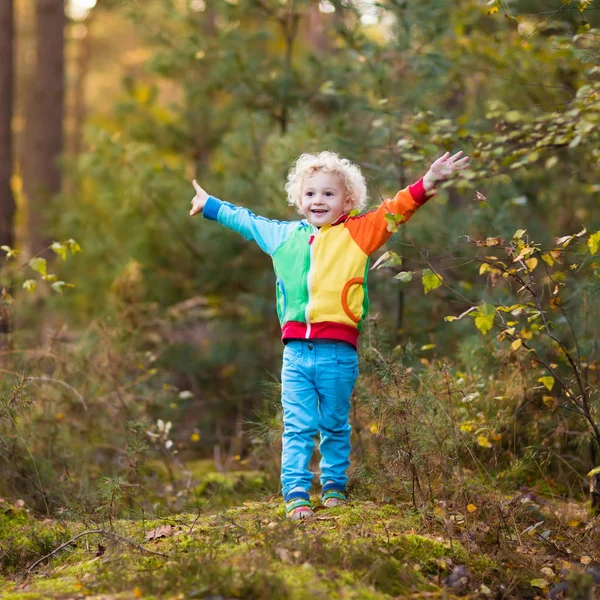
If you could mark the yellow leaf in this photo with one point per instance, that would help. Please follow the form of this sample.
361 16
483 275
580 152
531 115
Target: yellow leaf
137 593
573 523
471 508
548 381
466 427
483 441
516 344
519 232
548 401
484 268
373 428
547 258
493 10
195 437
585 560
526 334
531 263
594 242
496 437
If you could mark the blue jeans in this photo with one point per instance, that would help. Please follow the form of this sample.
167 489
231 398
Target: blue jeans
317 379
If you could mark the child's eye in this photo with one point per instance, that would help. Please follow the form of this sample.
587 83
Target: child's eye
329 193
309 193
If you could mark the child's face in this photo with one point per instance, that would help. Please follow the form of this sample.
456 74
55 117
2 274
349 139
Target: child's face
324 198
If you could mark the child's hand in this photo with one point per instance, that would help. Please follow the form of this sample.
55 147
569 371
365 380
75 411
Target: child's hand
199 200
443 167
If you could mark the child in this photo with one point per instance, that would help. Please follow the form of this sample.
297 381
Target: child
321 264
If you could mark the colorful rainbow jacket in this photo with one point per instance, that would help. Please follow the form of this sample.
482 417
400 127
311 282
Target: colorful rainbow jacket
321 272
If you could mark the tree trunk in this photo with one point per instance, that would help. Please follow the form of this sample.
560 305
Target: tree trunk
45 120
7 201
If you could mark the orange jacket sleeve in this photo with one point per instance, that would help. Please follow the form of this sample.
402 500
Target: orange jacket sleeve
370 230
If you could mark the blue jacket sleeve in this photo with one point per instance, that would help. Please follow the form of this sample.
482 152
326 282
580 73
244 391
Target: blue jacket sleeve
267 233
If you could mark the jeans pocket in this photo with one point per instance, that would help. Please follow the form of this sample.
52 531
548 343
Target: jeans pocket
291 355
347 360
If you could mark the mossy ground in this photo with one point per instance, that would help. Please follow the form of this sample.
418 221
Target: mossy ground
364 550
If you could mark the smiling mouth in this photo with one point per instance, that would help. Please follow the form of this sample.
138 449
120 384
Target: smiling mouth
318 211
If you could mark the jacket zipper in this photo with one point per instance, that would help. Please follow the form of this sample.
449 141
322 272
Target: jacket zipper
311 241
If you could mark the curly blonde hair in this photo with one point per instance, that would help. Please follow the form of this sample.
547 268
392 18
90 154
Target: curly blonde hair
348 172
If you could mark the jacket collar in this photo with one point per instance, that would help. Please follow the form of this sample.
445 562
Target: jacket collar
339 220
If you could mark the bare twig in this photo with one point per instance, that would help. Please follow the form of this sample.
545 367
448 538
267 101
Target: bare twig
103 532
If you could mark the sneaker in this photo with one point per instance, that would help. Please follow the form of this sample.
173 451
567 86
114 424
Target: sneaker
332 498
298 508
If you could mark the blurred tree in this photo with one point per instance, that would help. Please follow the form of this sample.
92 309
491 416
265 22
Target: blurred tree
44 136
7 201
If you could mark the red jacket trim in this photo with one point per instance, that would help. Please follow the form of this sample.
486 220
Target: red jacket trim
294 330
417 191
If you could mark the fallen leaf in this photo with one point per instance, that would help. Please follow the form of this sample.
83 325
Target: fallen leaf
547 572
471 508
162 531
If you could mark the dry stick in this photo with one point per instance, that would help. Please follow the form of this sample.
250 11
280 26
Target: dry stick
100 532
584 395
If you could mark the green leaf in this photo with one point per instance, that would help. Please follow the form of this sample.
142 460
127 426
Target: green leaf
10 252
431 280
74 247
39 265
593 472
392 221
484 318
513 116
29 285
404 276
594 242
60 249
519 233
539 583
58 286
387 259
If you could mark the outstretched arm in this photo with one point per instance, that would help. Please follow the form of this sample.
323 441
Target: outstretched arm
268 234
370 230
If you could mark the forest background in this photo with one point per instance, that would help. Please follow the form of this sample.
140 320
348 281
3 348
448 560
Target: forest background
140 349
